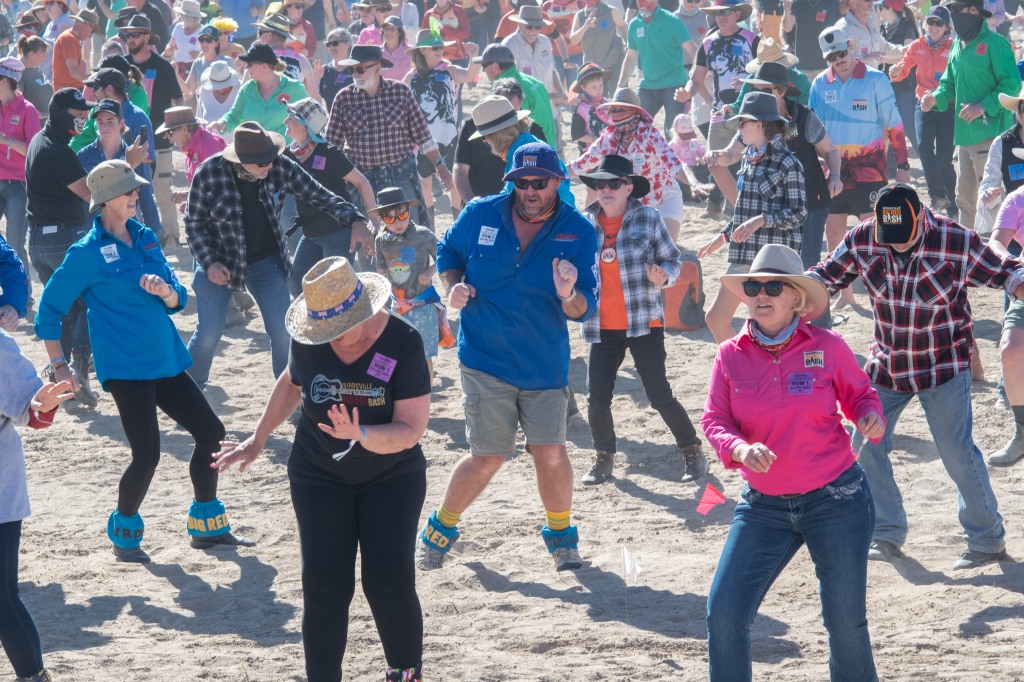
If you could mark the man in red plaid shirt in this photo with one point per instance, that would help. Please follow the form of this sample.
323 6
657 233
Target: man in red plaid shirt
917 267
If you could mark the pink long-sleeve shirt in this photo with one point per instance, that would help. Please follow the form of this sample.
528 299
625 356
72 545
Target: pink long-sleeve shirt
202 146
789 404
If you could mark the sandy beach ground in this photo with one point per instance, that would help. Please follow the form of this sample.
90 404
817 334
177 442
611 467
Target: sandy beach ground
498 610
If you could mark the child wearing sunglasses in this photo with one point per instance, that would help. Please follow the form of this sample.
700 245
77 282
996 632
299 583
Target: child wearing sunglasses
405 255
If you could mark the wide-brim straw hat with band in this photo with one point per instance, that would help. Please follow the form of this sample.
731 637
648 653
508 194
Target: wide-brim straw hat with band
612 166
1012 103
175 117
745 10
495 113
426 39
390 197
254 144
624 97
774 74
278 23
781 262
334 299
587 71
111 179
770 51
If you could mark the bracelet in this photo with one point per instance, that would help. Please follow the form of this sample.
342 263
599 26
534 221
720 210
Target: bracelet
363 430
168 296
57 361
568 298
58 365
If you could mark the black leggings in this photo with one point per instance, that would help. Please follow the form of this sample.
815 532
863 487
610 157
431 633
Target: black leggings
18 632
381 519
180 399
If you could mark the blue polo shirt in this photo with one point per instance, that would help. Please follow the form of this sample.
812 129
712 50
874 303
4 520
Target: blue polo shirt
514 328
131 331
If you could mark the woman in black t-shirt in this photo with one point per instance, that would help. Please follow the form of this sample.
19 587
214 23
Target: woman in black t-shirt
357 472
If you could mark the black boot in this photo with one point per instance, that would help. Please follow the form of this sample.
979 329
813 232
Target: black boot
695 464
602 469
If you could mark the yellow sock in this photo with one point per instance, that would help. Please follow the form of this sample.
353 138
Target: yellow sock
558 520
448 519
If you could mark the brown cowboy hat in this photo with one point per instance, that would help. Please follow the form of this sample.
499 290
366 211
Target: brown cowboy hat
254 144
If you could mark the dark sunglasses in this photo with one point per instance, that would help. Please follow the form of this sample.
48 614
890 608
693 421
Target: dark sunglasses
264 32
539 183
958 8
129 35
390 219
335 43
836 55
615 184
773 288
206 39
935 22
361 69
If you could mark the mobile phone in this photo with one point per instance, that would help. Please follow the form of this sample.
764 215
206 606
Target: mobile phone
144 134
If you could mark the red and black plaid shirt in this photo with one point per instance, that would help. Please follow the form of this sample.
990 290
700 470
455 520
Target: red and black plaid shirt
383 130
923 328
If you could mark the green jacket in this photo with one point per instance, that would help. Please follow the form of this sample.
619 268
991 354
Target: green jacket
136 95
537 102
976 73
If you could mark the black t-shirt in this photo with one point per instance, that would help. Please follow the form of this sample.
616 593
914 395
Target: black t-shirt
328 165
332 82
36 88
260 241
50 166
159 71
486 169
159 23
393 369
812 17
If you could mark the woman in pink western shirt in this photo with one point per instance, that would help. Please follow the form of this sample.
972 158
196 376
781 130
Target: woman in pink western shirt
772 414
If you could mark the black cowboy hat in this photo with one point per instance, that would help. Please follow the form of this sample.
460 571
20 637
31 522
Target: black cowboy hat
392 196
366 53
613 166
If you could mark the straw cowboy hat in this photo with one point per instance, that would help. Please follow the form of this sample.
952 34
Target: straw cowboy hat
1011 103
334 299
494 113
278 23
111 179
254 144
190 8
744 9
220 75
781 262
613 166
770 51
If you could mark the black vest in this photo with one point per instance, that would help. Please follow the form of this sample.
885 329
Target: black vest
814 177
1012 168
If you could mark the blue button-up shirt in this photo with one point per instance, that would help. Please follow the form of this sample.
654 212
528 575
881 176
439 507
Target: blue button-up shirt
13 282
92 155
514 328
131 331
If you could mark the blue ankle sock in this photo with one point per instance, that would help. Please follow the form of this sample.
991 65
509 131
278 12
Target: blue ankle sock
438 536
125 531
208 519
554 539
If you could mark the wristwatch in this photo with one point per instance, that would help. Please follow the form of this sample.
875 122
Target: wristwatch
903 166
568 298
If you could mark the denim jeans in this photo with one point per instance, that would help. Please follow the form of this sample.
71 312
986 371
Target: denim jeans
810 252
13 200
402 175
312 250
648 354
47 252
18 633
947 408
653 99
835 523
935 146
265 280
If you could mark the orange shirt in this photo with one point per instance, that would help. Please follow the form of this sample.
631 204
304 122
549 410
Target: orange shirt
613 300
67 46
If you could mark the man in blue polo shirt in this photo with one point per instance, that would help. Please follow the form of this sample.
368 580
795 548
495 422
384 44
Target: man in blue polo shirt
518 266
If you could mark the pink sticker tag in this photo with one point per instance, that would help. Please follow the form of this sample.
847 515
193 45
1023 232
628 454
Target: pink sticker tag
319 162
820 16
982 49
382 367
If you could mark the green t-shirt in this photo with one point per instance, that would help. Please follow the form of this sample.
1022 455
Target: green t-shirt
136 95
659 44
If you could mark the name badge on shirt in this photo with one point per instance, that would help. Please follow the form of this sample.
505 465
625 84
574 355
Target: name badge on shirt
382 367
15 120
831 96
1016 171
639 33
110 253
487 236
801 383
408 255
319 162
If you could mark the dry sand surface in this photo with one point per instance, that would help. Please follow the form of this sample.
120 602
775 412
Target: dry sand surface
498 610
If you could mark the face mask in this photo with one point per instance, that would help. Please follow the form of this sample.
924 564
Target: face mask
79 125
967 26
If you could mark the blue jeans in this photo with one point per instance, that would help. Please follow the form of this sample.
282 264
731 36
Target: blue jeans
653 99
265 280
935 146
13 200
312 250
18 633
810 252
948 411
835 523
402 175
47 252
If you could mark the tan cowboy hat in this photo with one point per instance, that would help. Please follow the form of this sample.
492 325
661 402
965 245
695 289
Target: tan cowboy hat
254 144
334 299
87 16
1011 103
111 179
781 262
175 117
494 113
770 51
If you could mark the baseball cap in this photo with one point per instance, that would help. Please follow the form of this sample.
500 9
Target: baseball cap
107 105
11 67
833 40
896 210
940 13
535 159
69 98
209 30
108 76
495 53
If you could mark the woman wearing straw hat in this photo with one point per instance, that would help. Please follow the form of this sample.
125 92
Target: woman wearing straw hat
771 414
357 471
769 51
322 236
183 47
632 134
126 310
435 83
637 260
771 207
